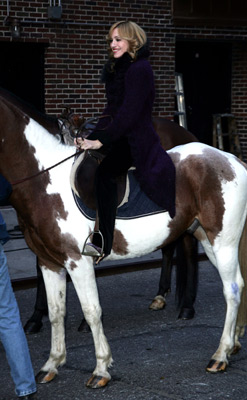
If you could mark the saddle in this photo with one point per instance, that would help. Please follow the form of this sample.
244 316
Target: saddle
83 177
83 171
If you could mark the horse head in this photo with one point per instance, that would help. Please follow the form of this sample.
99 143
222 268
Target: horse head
74 125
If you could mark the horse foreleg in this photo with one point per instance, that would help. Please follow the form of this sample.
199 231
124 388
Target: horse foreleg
159 301
232 286
83 278
55 283
34 324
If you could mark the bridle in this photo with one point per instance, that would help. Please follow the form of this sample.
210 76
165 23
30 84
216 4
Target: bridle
68 121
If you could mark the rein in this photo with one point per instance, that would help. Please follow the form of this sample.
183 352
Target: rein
45 170
86 125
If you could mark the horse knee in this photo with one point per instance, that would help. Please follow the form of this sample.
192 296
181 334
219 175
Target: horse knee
56 314
92 315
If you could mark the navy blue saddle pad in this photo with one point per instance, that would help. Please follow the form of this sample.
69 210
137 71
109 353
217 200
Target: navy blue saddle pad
138 204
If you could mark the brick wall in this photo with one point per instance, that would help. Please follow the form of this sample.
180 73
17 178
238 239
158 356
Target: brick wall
76 50
239 91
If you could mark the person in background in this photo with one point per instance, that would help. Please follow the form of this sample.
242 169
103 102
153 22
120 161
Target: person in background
126 134
11 331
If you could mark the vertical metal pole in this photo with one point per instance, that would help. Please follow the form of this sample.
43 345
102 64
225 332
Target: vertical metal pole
7 8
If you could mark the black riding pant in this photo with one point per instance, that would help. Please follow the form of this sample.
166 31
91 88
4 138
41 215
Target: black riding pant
117 162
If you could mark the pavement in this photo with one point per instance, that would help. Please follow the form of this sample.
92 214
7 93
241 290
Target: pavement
156 356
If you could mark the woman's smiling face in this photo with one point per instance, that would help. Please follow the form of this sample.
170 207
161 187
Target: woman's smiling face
118 45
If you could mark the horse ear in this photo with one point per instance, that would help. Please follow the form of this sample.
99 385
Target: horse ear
60 122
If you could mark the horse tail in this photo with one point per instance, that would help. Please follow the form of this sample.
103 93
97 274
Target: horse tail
242 255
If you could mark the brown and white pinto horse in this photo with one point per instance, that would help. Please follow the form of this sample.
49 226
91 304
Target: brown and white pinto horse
171 135
211 188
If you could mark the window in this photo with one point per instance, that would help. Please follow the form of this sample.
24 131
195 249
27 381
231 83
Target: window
22 71
216 12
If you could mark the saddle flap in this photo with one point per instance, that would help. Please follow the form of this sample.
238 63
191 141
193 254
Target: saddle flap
83 177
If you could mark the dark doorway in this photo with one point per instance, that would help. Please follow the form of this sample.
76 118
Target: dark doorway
22 71
206 69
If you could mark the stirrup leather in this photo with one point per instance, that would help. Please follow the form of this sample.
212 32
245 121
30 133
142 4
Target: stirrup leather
90 249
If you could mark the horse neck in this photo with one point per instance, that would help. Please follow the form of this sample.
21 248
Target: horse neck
25 145
48 150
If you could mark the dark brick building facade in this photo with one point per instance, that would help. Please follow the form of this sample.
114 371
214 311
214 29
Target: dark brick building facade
57 62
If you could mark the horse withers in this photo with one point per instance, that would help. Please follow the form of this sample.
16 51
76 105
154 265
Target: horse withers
211 188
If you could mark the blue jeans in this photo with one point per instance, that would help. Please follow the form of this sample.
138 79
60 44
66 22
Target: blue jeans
12 335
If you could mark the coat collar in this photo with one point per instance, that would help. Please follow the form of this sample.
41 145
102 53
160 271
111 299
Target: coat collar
121 64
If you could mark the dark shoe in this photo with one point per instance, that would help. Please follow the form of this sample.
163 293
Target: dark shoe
92 250
29 396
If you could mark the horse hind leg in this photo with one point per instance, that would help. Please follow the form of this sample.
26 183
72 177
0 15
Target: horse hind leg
55 283
229 270
242 311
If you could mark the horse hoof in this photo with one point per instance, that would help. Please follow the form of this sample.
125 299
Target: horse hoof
215 366
97 382
45 377
84 327
158 303
32 327
186 313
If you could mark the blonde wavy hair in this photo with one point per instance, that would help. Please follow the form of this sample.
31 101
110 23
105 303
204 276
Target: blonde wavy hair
131 32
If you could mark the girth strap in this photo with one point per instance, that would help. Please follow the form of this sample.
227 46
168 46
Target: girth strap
194 226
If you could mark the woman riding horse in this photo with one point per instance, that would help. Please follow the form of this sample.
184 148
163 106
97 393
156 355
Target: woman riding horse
211 189
128 132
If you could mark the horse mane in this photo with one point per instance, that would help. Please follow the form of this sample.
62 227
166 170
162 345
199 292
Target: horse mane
46 120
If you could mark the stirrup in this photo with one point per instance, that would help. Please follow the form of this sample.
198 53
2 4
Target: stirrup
90 249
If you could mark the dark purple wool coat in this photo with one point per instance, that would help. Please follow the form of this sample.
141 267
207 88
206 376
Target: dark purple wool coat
130 108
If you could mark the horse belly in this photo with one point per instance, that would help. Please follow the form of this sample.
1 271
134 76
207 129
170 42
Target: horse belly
140 235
